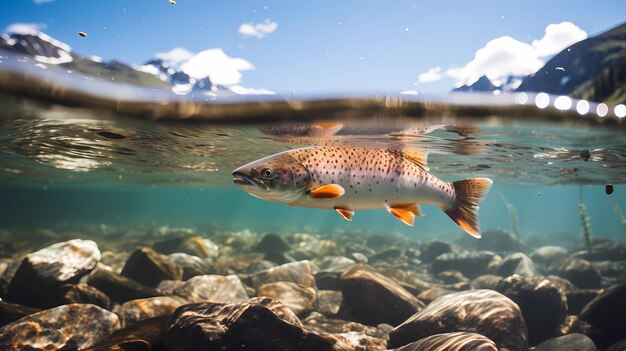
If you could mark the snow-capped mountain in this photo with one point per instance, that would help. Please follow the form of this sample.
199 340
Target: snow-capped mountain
51 52
155 73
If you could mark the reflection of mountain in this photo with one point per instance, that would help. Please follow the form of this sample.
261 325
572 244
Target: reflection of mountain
592 69
49 51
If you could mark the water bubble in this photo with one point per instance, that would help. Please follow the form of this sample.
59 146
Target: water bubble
406 29
563 103
602 110
560 69
620 111
522 98
496 92
361 58
582 107
542 100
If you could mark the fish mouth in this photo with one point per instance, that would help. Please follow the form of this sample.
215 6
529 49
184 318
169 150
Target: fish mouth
244 181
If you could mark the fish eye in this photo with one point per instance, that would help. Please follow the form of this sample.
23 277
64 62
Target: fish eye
267 172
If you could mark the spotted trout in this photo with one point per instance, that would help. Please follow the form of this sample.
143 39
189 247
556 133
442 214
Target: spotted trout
349 179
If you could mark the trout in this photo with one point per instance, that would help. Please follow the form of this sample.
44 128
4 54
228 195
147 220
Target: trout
348 179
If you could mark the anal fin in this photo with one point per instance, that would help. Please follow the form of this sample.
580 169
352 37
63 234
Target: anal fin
405 216
329 191
345 213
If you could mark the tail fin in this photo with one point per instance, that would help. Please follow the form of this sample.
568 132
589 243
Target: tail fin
469 193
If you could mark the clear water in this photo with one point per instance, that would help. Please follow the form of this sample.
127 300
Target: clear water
95 171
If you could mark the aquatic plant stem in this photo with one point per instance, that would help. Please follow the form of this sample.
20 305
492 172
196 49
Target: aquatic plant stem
586 225
619 213
514 218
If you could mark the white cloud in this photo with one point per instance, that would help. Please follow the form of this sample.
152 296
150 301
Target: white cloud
500 57
558 37
175 56
25 28
42 1
258 30
432 75
238 89
219 67
505 56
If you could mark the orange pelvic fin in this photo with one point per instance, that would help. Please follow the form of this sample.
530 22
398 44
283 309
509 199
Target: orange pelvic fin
405 216
329 191
345 213
414 208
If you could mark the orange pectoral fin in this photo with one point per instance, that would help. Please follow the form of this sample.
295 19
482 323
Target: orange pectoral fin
329 191
345 213
405 216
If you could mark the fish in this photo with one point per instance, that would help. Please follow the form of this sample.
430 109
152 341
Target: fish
349 179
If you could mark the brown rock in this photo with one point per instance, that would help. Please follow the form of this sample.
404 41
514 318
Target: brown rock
67 327
149 268
135 311
298 298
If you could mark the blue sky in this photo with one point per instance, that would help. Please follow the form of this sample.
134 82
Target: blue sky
317 46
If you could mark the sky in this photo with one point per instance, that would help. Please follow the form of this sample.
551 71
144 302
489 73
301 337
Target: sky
325 46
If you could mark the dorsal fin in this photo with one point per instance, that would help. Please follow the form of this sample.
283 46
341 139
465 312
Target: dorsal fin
417 156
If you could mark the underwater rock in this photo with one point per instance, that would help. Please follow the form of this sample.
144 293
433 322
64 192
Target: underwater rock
192 265
300 272
119 288
67 327
388 254
272 243
578 342
604 251
257 325
83 293
496 240
435 249
358 257
300 299
115 260
212 288
427 296
167 287
516 263
372 298
451 342
41 273
279 258
319 247
10 312
353 341
546 255
486 312
413 281
578 271
7 275
452 277
561 283
328 280
603 318
334 263
618 346
142 336
191 245
471 264
543 305
133 311
383 242
577 299
328 302
487 281
319 324
149 268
